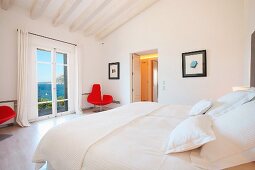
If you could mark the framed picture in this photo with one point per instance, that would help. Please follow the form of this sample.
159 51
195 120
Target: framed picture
194 64
114 70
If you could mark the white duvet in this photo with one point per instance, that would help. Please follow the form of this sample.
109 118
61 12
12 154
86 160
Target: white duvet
132 137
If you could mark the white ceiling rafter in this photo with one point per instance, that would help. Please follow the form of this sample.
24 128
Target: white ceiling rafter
6 4
104 12
93 9
117 8
66 9
38 7
124 17
96 18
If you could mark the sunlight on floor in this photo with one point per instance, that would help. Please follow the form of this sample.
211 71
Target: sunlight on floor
16 152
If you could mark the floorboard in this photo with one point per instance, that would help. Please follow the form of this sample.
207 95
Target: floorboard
16 151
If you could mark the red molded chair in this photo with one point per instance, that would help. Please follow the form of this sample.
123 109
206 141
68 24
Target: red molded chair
95 97
6 113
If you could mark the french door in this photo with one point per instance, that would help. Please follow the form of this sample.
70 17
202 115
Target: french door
52 82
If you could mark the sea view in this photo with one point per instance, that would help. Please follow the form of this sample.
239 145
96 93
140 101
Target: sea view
45 94
44 91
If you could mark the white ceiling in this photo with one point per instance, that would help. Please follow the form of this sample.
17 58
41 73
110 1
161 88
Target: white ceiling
96 18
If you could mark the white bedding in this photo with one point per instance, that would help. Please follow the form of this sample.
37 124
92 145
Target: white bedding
130 137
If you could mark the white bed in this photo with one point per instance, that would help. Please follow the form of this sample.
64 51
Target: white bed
130 137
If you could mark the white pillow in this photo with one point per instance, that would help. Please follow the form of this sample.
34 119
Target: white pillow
229 102
235 133
218 109
190 134
200 108
233 97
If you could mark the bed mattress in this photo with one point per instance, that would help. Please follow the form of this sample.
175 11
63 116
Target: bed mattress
130 137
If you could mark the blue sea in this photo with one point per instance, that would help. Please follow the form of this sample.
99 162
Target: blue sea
44 91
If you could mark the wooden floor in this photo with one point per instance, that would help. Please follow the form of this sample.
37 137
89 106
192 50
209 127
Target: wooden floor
16 152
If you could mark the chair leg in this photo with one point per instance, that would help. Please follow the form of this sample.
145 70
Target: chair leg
98 109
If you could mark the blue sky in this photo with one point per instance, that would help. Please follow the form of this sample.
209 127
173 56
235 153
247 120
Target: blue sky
44 71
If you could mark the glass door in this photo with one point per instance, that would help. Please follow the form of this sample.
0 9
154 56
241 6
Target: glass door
52 82
44 82
62 82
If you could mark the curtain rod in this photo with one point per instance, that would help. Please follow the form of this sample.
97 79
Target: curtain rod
50 38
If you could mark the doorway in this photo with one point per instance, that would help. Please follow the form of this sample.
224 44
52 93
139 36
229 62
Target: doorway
144 76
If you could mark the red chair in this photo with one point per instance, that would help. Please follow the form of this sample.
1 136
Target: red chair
6 113
95 97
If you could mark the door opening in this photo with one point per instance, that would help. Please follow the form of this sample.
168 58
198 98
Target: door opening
144 76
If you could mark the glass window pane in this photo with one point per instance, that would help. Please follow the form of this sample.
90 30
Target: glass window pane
62 106
44 73
44 92
44 109
43 55
61 58
62 91
44 82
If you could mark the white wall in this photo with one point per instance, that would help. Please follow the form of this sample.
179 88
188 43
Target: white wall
249 23
10 20
174 27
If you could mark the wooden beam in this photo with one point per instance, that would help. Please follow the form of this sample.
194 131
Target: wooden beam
92 10
105 16
38 7
105 11
124 18
6 4
65 11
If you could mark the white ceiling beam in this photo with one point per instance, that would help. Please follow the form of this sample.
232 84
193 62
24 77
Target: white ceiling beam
108 9
124 18
105 16
66 9
6 4
92 10
38 7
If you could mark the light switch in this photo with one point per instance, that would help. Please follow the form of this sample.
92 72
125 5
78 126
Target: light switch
164 85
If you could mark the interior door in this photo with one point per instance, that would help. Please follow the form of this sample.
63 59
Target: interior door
144 80
136 77
155 80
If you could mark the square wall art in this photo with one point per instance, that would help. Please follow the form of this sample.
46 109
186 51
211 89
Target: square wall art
194 64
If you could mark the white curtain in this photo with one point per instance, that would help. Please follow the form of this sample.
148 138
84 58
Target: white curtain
78 82
22 84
